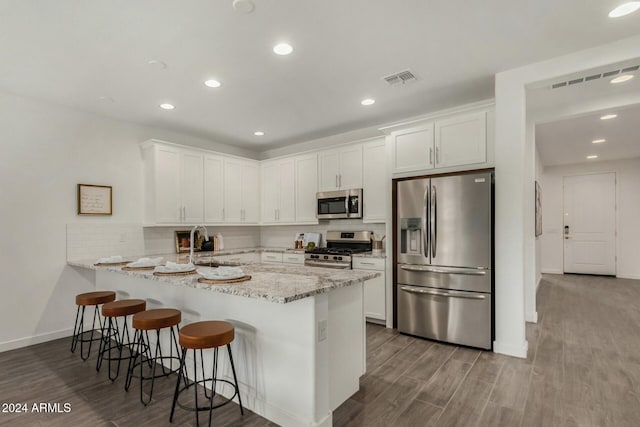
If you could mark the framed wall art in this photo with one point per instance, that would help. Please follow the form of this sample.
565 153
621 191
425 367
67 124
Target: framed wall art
95 199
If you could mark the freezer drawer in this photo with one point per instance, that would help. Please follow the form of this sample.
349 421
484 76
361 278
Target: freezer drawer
460 279
445 315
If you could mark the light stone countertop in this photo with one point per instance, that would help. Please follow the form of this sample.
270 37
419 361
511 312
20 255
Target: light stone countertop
271 282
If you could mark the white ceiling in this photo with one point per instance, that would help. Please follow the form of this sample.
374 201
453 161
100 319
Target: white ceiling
72 52
570 140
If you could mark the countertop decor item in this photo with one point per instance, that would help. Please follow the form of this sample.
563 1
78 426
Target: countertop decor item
95 199
223 281
183 241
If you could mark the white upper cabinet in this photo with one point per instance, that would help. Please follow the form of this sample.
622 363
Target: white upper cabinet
461 140
278 191
173 185
340 168
374 185
413 149
213 189
306 169
450 143
241 191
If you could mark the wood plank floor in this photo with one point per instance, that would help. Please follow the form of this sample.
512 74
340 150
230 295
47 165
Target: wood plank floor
583 369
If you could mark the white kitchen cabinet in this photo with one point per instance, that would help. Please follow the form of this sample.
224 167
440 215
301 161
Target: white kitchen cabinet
244 258
461 140
413 149
213 189
374 289
271 257
293 258
374 181
340 168
241 191
306 187
174 180
278 191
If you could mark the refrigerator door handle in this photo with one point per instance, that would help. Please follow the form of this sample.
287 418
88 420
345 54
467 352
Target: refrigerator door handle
425 215
434 221
441 294
461 271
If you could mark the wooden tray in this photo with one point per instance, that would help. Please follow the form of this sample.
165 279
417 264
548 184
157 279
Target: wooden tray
125 268
175 274
111 264
223 282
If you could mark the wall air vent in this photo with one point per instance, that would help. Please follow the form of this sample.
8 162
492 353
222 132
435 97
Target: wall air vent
594 77
405 76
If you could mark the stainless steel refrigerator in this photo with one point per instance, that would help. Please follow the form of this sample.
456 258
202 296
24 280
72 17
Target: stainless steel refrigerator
445 257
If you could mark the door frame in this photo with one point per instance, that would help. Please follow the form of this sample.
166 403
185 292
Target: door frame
615 212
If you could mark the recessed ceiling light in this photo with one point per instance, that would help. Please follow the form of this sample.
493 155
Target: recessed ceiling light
282 49
593 156
166 106
243 6
155 63
258 133
608 116
212 83
624 9
368 101
598 141
622 78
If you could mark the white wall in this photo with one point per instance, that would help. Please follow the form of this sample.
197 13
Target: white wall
627 223
46 151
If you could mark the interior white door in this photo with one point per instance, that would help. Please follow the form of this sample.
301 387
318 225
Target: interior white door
590 224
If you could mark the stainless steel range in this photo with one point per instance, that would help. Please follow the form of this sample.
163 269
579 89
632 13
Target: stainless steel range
340 246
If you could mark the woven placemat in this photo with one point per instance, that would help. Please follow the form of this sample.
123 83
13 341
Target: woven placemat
223 282
138 268
175 274
111 264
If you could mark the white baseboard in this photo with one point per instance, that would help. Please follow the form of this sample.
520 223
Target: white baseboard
531 317
551 271
515 350
35 339
628 276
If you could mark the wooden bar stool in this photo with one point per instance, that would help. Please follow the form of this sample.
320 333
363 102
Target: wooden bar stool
82 301
146 321
112 311
199 336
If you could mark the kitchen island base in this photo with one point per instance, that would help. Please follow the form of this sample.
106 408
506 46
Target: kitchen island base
296 362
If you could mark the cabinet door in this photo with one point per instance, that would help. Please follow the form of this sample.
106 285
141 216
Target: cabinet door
306 188
270 182
213 189
461 140
192 184
328 170
287 208
413 149
350 174
374 298
250 193
233 172
374 183
167 185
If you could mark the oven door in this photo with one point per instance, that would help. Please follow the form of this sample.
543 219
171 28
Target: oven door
332 205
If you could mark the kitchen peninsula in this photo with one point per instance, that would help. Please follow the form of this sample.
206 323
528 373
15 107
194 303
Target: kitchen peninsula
300 335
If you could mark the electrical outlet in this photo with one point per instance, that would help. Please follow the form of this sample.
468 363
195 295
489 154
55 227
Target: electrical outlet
322 330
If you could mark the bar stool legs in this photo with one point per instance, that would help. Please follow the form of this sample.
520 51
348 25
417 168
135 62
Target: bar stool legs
83 300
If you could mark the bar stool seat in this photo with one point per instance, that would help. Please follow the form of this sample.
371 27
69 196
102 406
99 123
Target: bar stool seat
82 301
143 322
199 336
113 310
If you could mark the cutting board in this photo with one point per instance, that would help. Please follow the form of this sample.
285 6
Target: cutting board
224 282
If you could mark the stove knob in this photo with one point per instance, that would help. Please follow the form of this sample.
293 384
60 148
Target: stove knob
340 258
326 257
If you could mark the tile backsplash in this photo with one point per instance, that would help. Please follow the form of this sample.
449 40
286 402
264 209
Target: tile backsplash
283 236
97 240
160 240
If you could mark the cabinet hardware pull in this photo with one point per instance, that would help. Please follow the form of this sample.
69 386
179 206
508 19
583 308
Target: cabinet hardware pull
430 156
437 155
336 180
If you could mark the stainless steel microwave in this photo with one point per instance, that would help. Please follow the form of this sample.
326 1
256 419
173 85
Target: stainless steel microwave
339 204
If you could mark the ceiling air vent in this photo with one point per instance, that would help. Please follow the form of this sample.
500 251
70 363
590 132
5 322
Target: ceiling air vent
594 77
405 76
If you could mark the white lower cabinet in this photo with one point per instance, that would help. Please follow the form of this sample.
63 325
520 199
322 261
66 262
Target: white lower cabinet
293 258
244 258
282 258
271 257
374 289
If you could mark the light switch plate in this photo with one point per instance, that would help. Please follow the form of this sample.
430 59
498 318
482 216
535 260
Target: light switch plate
322 330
